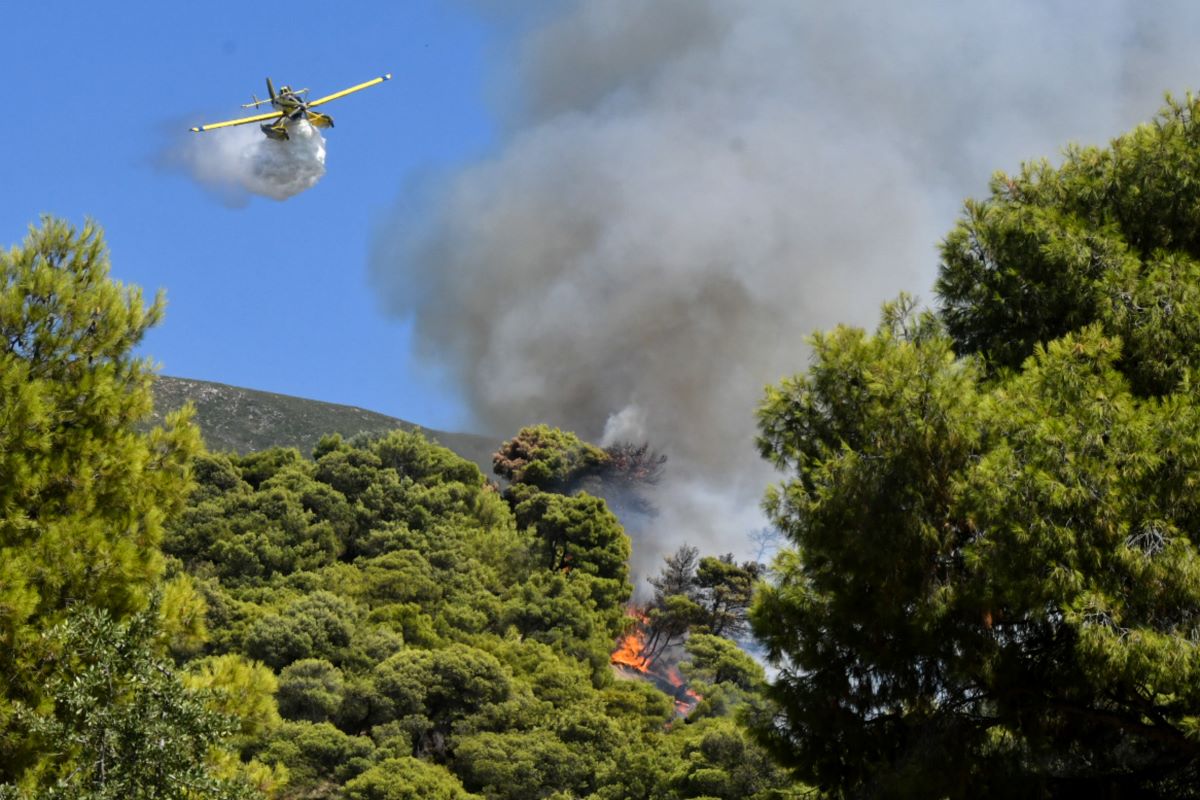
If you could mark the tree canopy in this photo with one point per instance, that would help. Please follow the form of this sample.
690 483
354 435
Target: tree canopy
1110 236
433 636
993 587
90 705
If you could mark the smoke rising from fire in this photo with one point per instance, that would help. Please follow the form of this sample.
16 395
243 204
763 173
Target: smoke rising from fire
682 190
234 163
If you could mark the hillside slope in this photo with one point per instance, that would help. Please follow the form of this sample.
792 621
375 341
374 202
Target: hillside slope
245 420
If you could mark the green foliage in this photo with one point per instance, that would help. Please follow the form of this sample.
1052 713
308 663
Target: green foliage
725 678
719 761
312 689
406 779
83 493
247 536
118 722
558 609
722 590
318 625
701 761
515 766
1108 237
639 704
433 689
240 688
443 639
405 483
182 613
317 756
215 476
715 659
579 533
399 576
547 458
256 468
991 589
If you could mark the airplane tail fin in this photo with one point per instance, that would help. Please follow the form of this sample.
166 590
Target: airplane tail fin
270 89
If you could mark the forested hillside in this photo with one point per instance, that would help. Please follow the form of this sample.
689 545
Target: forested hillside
374 619
428 636
991 587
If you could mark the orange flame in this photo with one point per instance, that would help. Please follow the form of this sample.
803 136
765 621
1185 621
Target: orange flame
685 704
631 649
631 654
674 678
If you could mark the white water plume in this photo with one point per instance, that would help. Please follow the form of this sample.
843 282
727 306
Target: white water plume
236 162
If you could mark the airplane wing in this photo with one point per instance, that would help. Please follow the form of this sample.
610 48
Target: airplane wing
242 121
351 90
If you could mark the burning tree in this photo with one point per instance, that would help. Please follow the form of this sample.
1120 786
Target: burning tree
633 654
708 595
673 610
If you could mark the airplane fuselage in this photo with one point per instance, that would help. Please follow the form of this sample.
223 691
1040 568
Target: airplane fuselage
293 109
289 106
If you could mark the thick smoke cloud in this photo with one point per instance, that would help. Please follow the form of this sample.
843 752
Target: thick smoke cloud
235 163
684 189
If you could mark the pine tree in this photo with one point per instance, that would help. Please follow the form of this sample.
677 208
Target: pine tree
994 583
83 491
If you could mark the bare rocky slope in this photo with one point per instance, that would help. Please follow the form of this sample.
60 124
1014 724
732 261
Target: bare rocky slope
244 420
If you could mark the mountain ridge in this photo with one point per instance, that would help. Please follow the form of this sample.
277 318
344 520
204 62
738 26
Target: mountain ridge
244 420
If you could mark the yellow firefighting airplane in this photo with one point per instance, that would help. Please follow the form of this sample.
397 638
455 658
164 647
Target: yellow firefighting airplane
290 105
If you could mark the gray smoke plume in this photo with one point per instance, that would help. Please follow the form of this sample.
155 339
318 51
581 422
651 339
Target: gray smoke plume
234 163
684 189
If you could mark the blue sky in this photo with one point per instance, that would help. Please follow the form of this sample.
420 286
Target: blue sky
272 296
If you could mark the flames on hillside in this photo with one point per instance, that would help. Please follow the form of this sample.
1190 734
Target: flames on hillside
632 659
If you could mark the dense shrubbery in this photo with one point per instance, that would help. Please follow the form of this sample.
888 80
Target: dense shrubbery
376 621
432 637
